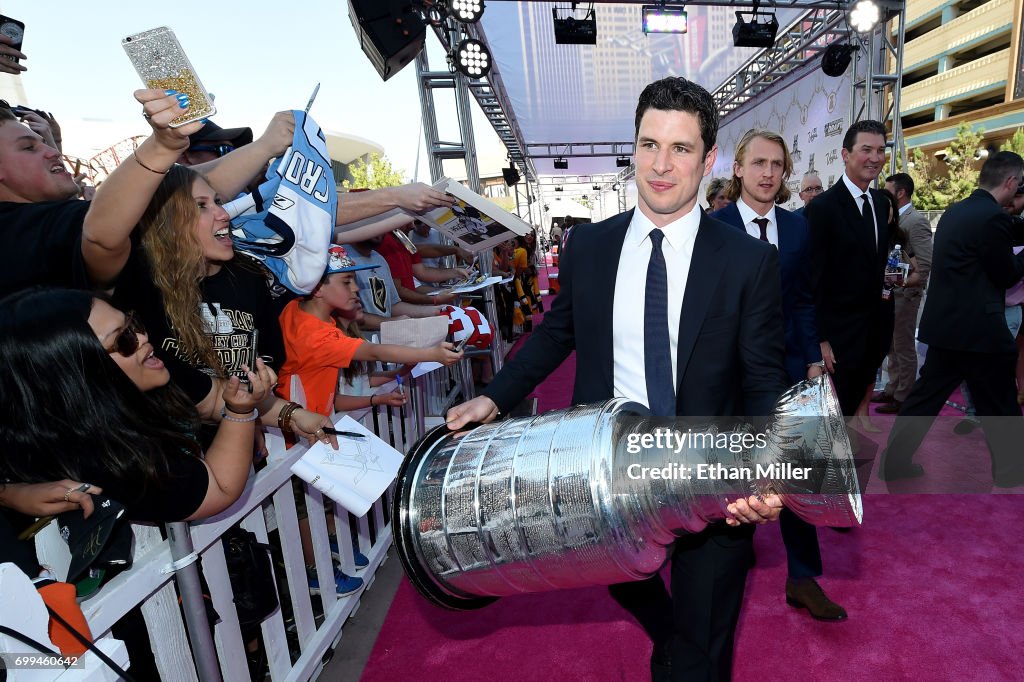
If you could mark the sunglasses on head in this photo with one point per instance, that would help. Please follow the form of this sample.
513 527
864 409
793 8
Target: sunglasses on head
218 149
127 341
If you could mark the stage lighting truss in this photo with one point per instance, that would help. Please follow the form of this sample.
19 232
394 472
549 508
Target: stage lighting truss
864 16
664 19
466 11
472 58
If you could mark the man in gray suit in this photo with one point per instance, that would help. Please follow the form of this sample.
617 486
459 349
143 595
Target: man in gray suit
903 352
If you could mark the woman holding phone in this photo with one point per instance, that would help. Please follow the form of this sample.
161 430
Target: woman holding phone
86 399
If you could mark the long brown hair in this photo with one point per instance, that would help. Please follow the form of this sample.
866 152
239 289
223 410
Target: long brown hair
177 264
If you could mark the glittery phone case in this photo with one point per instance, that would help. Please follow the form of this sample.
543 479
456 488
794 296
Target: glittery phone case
162 64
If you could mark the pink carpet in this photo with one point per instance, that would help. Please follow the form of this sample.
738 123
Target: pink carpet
931 583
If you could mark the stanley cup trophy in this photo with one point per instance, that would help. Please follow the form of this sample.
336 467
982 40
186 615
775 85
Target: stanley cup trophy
596 494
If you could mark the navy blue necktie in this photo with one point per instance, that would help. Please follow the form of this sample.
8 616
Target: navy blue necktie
661 394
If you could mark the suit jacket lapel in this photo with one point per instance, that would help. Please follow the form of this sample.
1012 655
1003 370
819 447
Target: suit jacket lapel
604 291
706 267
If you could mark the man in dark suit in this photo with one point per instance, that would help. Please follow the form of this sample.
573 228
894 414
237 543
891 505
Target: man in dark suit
682 313
761 167
964 325
850 243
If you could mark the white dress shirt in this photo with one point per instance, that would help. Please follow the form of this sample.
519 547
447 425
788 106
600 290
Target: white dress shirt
748 214
857 192
628 303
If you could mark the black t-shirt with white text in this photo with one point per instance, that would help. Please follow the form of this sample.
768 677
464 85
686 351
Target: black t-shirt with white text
238 310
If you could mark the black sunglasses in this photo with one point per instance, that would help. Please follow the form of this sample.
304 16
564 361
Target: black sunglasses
218 149
127 341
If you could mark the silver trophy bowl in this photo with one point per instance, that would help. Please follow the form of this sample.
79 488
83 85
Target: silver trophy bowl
596 494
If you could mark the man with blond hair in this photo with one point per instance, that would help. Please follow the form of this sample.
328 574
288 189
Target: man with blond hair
761 166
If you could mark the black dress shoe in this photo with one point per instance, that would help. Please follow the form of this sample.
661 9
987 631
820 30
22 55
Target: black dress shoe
881 397
890 408
807 594
912 470
966 425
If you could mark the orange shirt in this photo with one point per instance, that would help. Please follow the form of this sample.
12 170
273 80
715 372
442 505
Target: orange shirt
316 351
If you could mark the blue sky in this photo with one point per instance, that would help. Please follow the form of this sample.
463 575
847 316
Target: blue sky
257 57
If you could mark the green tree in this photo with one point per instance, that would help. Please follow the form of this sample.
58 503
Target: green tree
1015 143
373 175
936 191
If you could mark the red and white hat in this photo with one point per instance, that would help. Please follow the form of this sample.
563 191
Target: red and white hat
468 322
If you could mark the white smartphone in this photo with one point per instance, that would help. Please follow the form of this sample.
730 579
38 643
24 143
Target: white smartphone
162 64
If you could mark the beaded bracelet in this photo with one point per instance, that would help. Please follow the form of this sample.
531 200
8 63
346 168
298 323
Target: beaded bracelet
284 417
251 417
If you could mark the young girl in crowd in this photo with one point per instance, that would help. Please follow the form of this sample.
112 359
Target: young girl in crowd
209 311
86 399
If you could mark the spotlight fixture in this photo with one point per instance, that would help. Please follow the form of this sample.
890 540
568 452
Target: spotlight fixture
511 175
864 16
472 58
558 188
466 11
615 187
759 31
836 59
561 163
572 31
664 18
622 162
596 188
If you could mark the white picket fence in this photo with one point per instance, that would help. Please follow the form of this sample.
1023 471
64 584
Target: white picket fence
296 649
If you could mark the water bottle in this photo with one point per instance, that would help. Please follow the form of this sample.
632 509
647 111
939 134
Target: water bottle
895 271
894 268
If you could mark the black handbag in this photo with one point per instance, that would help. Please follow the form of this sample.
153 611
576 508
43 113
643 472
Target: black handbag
251 575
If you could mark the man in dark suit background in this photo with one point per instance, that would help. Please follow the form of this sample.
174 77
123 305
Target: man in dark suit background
810 187
761 166
964 325
850 244
682 313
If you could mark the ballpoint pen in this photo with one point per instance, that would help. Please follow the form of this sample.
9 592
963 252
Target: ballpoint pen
348 434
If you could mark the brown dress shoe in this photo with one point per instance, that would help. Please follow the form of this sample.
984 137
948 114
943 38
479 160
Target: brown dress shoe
890 408
807 594
881 397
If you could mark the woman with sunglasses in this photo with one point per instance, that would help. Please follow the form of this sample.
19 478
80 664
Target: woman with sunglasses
209 311
86 399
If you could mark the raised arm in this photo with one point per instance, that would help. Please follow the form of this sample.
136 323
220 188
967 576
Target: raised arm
121 200
416 197
230 174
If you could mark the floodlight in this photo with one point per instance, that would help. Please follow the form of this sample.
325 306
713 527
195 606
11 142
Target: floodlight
596 188
759 31
472 58
558 188
572 31
664 19
622 162
466 11
836 59
864 16
511 175
561 163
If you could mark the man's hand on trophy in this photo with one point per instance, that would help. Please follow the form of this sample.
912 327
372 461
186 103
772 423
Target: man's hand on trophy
754 510
480 409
